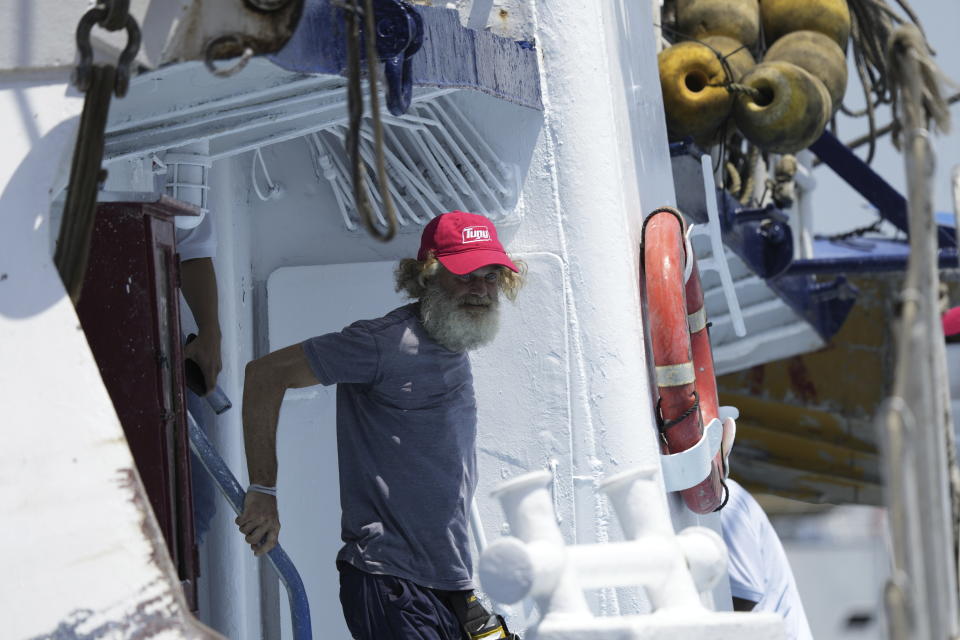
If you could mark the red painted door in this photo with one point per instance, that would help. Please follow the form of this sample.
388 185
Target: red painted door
129 310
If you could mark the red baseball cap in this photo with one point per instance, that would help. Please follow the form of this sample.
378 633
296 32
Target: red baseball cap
463 242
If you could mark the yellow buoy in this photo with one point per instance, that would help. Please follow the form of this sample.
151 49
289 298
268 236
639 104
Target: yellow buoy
829 17
737 19
790 111
738 57
695 100
818 54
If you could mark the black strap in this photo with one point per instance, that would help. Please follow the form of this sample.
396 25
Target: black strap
663 425
726 495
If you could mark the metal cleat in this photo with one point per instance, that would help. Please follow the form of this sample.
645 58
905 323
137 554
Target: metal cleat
674 569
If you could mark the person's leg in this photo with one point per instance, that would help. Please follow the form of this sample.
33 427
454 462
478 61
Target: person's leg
380 607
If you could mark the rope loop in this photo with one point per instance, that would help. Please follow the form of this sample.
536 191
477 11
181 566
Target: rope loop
663 425
352 14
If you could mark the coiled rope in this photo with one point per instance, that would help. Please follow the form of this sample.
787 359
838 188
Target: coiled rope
872 27
352 14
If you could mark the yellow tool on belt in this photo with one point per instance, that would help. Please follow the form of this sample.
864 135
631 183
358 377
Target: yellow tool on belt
478 623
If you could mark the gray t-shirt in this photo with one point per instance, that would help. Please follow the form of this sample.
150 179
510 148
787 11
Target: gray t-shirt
406 433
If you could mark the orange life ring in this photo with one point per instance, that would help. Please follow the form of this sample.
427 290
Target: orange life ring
686 387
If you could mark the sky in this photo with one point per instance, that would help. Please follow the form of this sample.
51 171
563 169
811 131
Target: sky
837 207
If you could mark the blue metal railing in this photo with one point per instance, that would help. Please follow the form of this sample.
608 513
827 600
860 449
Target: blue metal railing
231 490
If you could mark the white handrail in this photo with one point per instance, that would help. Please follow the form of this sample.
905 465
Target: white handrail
716 245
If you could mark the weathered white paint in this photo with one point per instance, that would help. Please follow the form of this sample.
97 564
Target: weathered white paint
230 580
672 568
565 387
508 18
41 32
82 542
605 143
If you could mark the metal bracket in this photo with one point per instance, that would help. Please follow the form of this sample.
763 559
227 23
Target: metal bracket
399 37
454 57
688 468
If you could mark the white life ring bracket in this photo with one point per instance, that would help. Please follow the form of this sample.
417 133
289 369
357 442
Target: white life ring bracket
689 468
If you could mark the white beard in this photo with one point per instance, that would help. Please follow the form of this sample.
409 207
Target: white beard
454 327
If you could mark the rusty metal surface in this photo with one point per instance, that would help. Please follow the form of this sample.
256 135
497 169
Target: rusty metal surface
806 422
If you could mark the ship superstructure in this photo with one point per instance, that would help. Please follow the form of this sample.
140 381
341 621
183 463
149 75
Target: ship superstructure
548 117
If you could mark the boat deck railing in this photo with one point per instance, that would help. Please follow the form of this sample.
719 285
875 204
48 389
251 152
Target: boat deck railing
225 481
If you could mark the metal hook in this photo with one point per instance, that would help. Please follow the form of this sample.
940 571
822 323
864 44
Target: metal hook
237 67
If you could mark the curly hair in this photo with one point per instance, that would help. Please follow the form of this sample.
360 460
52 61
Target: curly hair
412 276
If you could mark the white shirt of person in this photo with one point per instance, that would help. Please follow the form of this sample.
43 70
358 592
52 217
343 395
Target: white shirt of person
759 569
199 241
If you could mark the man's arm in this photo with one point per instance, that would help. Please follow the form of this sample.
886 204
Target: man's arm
198 282
267 379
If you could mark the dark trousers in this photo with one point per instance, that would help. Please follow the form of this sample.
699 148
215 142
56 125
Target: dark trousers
380 607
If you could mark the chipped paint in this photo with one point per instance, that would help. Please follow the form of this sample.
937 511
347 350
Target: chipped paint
93 555
203 22
806 423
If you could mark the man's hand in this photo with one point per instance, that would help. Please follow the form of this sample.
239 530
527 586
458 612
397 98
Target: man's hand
205 351
266 380
260 522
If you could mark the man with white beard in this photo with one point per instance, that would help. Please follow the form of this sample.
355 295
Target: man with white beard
406 431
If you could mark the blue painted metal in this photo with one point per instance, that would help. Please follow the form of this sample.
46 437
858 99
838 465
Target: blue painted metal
760 237
763 239
863 255
685 147
890 204
231 490
825 305
399 37
452 56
